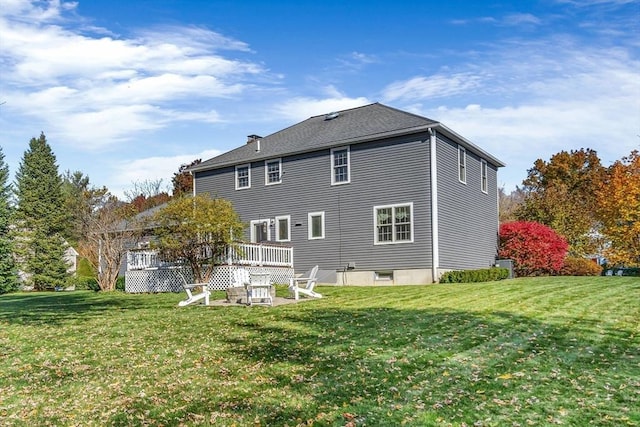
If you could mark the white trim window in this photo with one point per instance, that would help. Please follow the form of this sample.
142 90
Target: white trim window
260 230
243 176
340 166
272 171
283 228
483 176
315 221
462 164
393 223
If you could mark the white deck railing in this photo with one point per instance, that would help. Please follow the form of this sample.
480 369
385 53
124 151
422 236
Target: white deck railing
142 259
248 254
260 254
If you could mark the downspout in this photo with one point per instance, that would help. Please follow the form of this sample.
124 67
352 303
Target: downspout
435 244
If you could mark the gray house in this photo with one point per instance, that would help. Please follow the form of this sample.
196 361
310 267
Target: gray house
373 195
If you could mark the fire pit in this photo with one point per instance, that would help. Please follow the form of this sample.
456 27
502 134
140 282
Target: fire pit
238 294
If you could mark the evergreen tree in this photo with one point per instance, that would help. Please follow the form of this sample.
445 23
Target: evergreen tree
74 189
41 217
8 273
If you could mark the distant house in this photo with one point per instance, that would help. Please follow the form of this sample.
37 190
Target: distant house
71 258
373 195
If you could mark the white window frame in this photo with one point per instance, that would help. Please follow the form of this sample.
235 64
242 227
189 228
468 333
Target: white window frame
484 176
266 171
393 240
252 234
248 166
310 217
277 221
462 164
333 167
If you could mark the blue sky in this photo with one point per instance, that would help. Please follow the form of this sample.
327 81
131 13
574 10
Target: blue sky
128 91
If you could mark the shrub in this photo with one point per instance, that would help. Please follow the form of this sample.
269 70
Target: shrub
536 250
472 276
120 283
580 267
85 269
83 283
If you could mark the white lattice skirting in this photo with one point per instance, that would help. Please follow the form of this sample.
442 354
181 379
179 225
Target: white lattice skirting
168 279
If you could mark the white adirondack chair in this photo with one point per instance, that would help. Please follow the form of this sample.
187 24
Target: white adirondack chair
259 289
241 277
191 297
304 285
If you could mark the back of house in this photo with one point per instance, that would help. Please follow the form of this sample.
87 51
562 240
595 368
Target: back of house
373 195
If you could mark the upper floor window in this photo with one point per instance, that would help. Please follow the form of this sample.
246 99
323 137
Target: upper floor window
272 171
243 176
483 176
340 166
283 229
316 225
393 223
462 164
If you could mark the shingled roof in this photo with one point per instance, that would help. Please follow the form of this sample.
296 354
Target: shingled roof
361 124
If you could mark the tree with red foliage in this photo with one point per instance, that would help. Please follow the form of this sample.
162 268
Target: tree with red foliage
536 250
182 180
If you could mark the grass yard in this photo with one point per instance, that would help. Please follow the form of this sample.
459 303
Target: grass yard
523 352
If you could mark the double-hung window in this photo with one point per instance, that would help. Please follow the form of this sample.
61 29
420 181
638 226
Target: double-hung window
462 164
340 166
483 176
273 171
316 225
243 176
283 229
393 223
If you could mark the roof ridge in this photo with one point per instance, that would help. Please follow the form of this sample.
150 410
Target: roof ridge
409 113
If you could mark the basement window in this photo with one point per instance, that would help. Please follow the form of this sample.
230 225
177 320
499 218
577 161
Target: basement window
384 276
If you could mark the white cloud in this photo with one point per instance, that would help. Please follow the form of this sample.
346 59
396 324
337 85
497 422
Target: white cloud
596 2
355 61
112 88
435 86
36 11
301 108
520 19
153 168
514 19
567 98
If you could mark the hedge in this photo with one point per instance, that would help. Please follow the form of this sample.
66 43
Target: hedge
580 267
473 276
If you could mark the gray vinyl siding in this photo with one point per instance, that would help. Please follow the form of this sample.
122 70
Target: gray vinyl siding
468 217
385 172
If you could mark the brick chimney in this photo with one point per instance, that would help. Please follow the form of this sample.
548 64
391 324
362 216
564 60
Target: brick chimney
252 138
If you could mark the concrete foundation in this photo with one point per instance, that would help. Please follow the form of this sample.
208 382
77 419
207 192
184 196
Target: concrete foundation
420 276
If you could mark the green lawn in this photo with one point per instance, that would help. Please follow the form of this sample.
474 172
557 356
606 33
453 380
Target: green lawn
541 351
